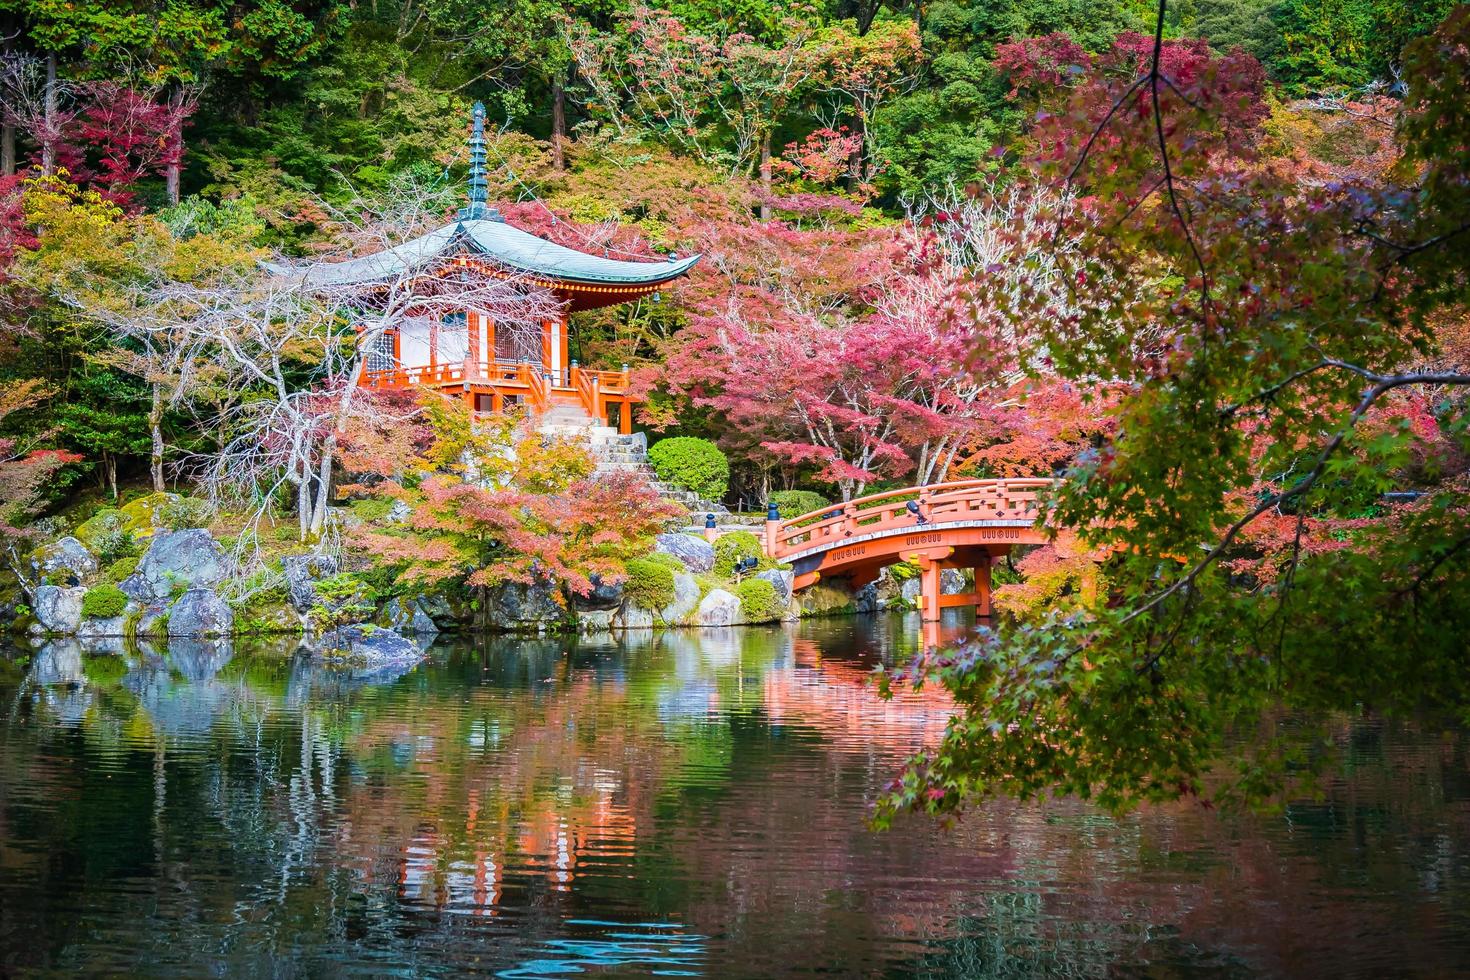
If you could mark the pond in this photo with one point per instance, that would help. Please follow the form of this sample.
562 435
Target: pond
688 804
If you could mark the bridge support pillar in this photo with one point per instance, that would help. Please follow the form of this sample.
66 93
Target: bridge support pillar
929 588
982 587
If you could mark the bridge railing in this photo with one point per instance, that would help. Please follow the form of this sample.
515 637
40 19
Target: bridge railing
938 504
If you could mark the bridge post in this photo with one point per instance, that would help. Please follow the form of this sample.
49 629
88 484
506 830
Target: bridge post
929 589
773 526
982 587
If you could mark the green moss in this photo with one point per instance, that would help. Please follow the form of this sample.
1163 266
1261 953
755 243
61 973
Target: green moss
730 548
104 601
120 569
668 561
759 601
371 509
650 584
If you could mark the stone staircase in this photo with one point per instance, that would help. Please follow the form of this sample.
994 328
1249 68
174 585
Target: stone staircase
617 453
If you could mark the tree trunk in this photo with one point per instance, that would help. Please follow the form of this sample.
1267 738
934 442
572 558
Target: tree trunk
173 171
766 175
855 163
7 150
155 425
558 122
324 485
48 137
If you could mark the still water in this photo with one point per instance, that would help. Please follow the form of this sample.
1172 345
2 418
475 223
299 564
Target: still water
691 804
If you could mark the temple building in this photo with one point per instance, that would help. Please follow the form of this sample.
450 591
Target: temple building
463 353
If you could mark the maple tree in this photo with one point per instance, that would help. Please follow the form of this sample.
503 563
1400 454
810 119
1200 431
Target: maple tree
525 509
1282 503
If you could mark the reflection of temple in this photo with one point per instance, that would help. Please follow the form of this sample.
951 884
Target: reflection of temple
463 353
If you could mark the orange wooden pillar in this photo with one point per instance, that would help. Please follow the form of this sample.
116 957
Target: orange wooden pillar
982 587
929 588
472 347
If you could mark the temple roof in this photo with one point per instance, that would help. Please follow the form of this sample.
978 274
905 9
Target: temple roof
504 245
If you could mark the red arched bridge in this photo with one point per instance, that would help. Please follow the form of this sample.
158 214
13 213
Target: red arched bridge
965 524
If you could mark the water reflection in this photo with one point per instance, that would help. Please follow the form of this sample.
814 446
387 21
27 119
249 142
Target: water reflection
683 803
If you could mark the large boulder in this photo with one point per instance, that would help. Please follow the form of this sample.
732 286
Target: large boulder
686 600
865 600
517 607
604 595
101 628
58 609
951 581
719 608
66 561
153 620
372 646
302 574
697 554
782 579
407 617
200 612
177 560
631 616
596 620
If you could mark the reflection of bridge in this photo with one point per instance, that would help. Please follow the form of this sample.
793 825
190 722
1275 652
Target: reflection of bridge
966 524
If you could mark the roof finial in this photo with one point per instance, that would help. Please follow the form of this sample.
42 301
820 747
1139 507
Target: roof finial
477 207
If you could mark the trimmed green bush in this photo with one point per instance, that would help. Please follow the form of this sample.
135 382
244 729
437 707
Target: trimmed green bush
650 583
759 601
694 464
104 602
794 503
730 548
120 569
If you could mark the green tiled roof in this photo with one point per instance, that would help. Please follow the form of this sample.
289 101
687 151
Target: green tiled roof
502 244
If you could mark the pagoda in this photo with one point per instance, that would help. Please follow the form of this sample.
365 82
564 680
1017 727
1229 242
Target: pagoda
462 353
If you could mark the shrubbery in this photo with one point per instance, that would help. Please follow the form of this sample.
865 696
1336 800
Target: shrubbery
730 548
183 513
650 583
120 569
694 464
794 503
759 601
104 601
108 535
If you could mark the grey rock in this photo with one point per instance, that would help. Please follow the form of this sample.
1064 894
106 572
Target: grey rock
596 620
66 560
604 596
192 559
516 606
782 579
373 646
686 600
633 617
399 512
198 660
865 600
697 554
200 612
951 581
719 608
439 609
136 587
302 574
407 617
912 589
92 629
58 609
152 621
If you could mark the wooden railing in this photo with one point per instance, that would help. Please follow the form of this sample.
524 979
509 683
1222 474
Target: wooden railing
938 505
589 392
520 379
